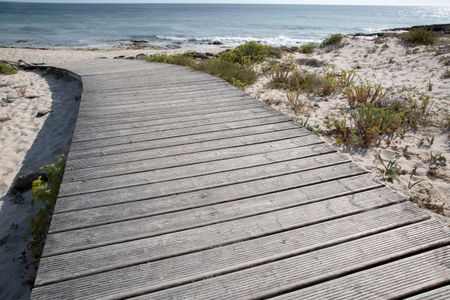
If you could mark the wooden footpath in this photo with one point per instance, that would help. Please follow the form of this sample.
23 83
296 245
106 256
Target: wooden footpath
180 186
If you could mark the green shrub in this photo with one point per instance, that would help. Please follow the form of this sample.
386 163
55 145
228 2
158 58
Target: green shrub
419 36
234 73
334 40
307 48
248 53
44 193
7 69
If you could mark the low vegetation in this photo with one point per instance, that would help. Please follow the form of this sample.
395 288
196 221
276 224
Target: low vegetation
44 194
364 93
235 66
307 48
7 69
419 36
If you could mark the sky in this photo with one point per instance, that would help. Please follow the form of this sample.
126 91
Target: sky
343 2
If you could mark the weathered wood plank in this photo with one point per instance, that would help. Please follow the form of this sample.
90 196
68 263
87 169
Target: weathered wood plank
281 269
182 202
321 234
266 118
145 143
187 159
72 187
395 280
442 293
87 238
144 154
158 189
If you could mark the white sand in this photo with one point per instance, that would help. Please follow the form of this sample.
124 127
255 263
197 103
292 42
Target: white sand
28 142
393 67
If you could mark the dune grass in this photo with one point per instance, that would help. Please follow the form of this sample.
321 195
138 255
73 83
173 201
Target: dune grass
334 40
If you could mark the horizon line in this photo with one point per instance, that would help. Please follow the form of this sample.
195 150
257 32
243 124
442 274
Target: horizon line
225 3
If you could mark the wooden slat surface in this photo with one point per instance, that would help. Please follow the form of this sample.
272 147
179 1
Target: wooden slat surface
179 186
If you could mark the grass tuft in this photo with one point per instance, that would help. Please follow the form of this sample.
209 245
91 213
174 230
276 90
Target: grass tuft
307 48
7 69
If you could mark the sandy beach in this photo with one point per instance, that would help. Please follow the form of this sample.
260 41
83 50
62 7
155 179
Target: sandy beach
39 113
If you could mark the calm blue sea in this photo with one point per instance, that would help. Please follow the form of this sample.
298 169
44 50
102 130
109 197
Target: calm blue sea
105 25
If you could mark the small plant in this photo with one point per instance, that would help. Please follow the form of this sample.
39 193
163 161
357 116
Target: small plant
329 83
419 36
307 48
44 194
176 59
7 69
334 40
364 93
279 72
392 170
435 162
430 85
446 74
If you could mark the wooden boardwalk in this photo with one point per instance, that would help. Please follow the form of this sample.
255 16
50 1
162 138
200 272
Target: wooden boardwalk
179 186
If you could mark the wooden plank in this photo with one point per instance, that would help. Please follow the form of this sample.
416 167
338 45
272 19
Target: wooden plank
144 143
194 111
180 150
183 100
132 121
72 187
268 273
86 238
166 124
441 293
158 189
237 102
264 118
223 195
395 280
318 235
187 159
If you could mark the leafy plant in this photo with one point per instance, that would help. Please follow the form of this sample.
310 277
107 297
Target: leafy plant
419 36
334 40
44 194
307 48
176 59
7 69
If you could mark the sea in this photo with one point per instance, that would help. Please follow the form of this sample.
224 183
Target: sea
176 25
